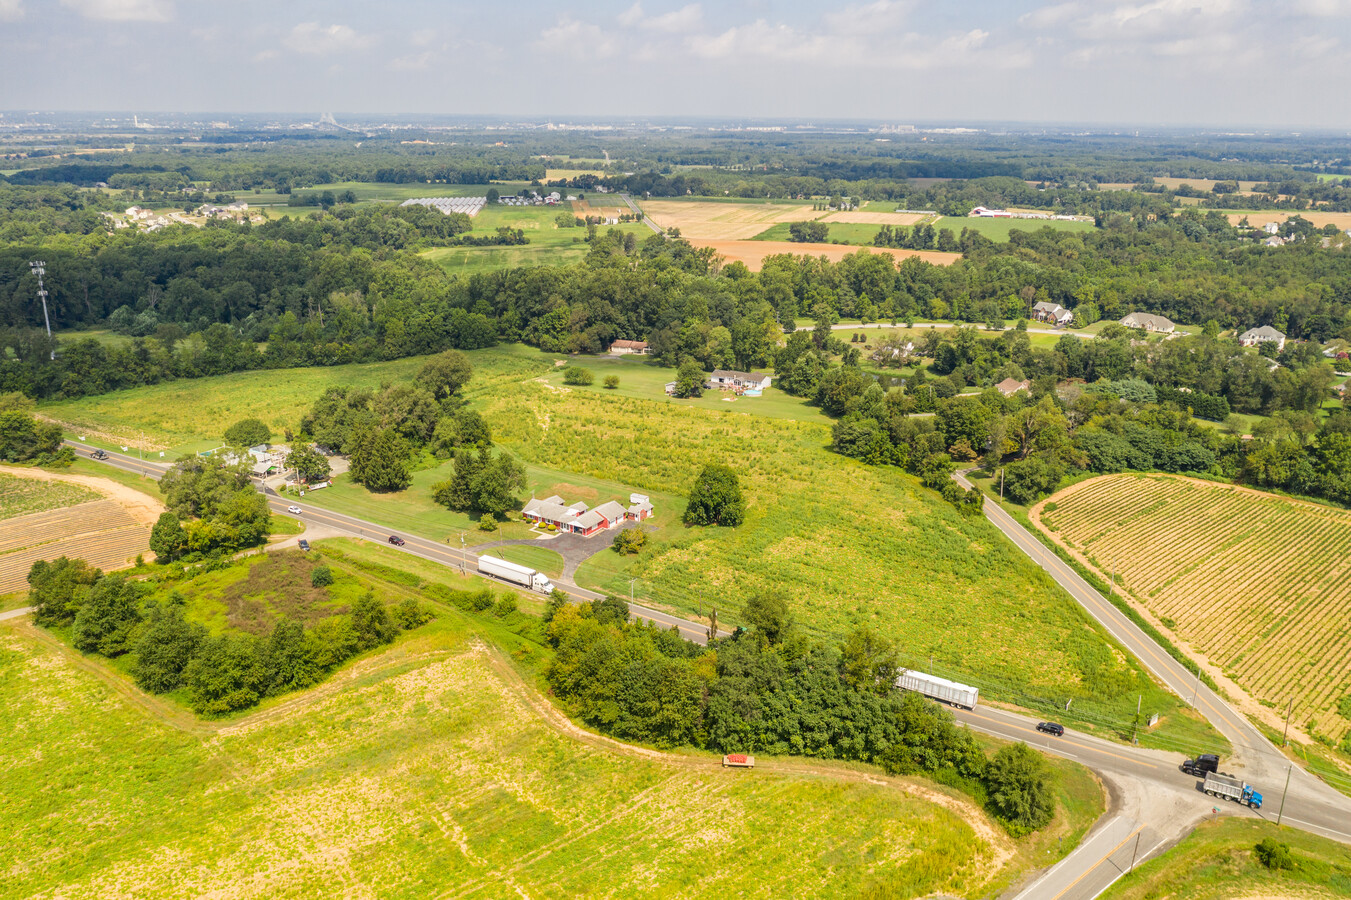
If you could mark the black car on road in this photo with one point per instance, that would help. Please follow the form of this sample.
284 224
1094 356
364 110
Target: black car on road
396 540
1051 728
99 454
303 544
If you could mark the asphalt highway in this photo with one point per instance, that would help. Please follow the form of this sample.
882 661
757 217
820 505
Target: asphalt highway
1114 844
451 557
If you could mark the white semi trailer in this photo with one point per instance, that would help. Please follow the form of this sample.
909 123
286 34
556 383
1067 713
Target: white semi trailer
515 573
941 689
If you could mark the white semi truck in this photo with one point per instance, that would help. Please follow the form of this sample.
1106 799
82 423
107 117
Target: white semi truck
963 695
515 573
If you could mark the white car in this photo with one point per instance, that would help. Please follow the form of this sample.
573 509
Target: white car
293 510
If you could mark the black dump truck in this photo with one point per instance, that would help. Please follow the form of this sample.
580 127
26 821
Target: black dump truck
1206 762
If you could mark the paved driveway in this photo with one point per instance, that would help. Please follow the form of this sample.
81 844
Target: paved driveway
574 548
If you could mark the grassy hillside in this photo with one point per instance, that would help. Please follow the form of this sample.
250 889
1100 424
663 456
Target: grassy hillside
1216 862
433 767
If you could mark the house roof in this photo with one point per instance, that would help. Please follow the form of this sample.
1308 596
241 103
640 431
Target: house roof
1047 306
732 374
611 510
548 509
629 345
1264 333
640 507
1012 386
1148 321
588 520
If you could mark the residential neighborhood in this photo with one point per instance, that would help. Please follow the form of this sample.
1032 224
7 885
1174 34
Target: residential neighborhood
1149 322
1265 334
1051 313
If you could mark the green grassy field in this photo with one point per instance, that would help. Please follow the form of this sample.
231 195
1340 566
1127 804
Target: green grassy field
22 496
367 192
853 544
1217 862
840 233
191 415
431 768
549 245
642 378
107 338
998 229
542 558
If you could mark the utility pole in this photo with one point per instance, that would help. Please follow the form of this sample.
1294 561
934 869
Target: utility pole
1197 688
39 269
1280 813
1285 740
1136 852
462 554
1001 484
631 581
1135 731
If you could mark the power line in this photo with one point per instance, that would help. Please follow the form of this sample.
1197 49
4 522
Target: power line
39 269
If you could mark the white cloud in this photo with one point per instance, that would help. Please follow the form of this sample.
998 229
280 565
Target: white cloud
631 16
11 10
322 40
869 19
582 40
1322 8
123 10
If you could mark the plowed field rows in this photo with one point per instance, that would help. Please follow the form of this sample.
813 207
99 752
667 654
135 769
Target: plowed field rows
1260 584
102 533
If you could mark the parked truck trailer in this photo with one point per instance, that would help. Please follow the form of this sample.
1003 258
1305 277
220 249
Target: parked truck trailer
1231 788
955 693
515 573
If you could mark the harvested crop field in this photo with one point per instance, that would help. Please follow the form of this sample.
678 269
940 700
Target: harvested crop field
1259 218
586 208
433 770
703 222
1255 583
101 532
859 217
753 253
22 496
108 533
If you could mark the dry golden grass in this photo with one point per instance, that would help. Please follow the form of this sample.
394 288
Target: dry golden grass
1259 218
753 253
701 222
859 217
586 208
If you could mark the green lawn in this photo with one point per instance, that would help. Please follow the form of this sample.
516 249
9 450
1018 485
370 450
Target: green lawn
429 768
541 558
642 378
103 336
1217 861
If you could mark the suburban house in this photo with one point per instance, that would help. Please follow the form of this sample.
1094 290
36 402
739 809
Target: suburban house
576 518
620 347
729 380
1054 313
1008 387
1254 336
1149 322
1272 227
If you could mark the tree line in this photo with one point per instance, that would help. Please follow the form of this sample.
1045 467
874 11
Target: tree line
771 689
113 615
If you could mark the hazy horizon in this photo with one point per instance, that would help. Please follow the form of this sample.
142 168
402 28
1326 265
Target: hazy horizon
1153 63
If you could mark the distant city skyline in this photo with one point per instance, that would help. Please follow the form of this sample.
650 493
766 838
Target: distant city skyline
1206 63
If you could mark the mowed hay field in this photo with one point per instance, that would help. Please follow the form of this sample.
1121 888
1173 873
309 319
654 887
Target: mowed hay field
432 769
704 221
864 217
1257 583
1262 216
753 253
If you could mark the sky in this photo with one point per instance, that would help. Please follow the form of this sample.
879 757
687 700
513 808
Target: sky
1145 62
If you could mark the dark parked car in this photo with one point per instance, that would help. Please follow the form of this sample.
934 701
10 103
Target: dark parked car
303 544
1051 728
99 454
1206 762
396 540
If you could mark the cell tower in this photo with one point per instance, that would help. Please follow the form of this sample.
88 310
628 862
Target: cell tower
39 269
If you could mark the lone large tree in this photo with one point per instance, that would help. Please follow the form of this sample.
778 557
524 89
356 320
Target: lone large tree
716 498
445 373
